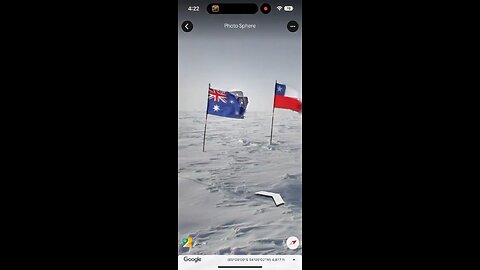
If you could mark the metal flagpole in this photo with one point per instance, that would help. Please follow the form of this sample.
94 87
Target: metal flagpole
273 112
206 116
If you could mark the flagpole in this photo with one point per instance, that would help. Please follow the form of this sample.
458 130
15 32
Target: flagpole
206 117
273 112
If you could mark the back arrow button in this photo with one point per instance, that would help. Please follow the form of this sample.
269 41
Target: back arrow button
187 26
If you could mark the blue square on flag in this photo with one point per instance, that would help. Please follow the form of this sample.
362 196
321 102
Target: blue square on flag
280 89
227 104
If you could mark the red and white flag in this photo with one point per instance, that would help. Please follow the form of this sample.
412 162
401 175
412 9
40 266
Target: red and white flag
287 98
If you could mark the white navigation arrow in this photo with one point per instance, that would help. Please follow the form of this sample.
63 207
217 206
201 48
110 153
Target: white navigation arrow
186 26
277 199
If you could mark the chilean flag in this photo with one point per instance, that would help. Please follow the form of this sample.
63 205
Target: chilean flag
286 98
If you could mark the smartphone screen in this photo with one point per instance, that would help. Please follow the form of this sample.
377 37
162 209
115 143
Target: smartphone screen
239 134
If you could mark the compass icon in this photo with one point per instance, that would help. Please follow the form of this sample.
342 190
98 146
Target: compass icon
293 242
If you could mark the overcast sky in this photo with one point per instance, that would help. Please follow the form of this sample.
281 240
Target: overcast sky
245 60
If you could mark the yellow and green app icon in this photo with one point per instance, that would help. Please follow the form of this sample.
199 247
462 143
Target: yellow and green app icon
187 242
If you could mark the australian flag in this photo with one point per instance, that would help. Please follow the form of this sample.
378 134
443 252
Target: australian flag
228 104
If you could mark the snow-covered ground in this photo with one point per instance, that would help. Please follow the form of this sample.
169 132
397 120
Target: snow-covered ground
217 205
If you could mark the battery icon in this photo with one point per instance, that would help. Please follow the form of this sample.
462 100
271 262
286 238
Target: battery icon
288 8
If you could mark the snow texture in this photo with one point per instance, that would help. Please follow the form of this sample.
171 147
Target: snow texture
217 205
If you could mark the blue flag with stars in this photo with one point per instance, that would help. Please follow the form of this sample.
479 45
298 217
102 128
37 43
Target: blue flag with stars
227 104
280 89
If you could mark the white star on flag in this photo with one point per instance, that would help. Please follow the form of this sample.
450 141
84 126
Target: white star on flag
216 108
279 88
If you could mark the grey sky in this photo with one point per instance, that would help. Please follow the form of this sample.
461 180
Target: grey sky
245 60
